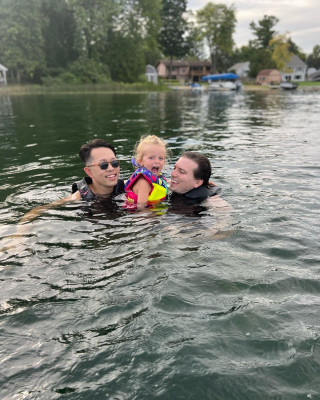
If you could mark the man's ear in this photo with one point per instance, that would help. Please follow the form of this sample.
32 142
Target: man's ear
87 170
198 183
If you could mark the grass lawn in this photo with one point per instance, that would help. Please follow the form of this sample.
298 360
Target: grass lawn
116 87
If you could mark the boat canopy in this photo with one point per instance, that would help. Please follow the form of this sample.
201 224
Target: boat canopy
220 77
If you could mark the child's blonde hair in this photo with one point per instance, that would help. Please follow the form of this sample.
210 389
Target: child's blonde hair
145 140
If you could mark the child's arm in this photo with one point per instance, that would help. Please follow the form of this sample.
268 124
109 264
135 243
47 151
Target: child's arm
142 189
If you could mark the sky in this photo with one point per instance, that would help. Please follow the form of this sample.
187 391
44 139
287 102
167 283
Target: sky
301 18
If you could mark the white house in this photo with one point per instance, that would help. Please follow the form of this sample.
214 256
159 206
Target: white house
298 70
151 74
3 75
242 69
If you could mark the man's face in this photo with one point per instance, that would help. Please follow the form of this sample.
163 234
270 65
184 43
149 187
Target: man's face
103 180
182 176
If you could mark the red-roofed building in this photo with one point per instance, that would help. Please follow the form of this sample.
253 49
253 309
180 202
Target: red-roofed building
268 77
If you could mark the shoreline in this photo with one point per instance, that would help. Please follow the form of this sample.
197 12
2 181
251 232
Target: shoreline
116 87
16 90
299 88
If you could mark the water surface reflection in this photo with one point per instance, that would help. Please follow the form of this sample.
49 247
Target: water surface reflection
99 302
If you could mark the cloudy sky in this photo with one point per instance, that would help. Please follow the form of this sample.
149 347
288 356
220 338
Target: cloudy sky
299 17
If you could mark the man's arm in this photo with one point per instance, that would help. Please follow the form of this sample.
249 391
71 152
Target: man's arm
31 215
215 222
23 229
217 204
221 211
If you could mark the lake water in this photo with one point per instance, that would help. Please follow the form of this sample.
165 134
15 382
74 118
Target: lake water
97 302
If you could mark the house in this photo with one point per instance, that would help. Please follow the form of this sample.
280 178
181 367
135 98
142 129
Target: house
268 77
314 77
298 70
3 75
151 74
242 69
311 71
184 70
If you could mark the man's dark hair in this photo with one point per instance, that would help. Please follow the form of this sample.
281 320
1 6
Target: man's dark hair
203 171
85 150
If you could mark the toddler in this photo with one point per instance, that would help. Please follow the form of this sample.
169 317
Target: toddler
147 185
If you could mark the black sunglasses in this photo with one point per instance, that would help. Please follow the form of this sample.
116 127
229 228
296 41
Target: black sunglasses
104 164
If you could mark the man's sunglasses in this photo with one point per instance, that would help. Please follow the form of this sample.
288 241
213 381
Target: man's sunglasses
104 164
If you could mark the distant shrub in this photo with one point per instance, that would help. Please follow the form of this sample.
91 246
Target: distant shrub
90 71
79 72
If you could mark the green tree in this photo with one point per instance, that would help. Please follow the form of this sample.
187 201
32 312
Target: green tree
93 19
78 40
140 20
172 35
217 24
261 59
295 49
280 52
243 54
264 31
21 44
313 59
147 15
196 46
133 39
59 34
125 58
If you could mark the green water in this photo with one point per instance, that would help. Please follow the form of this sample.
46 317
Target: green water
101 303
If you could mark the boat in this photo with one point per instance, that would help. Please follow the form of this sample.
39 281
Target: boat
223 82
196 87
272 86
288 85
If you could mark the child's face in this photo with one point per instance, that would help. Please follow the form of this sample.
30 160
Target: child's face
154 157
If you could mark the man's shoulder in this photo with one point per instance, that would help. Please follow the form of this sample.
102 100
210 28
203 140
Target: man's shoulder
81 184
83 188
202 192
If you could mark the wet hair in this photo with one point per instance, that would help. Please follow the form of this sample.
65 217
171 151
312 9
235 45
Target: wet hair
85 150
203 171
145 140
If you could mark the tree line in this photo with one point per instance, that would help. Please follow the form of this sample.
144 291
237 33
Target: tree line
84 41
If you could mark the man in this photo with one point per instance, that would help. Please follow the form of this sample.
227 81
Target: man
194 196
102 169
190 181
102 180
